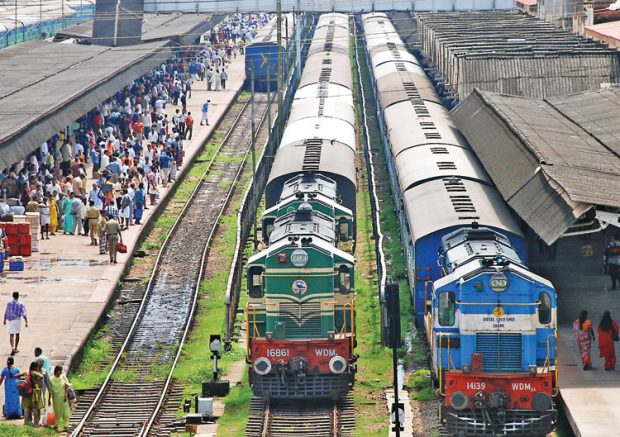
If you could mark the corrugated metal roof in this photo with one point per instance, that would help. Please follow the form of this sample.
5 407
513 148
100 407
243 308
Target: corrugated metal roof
552 160
596 112
156 27
45 86
80 31
511 52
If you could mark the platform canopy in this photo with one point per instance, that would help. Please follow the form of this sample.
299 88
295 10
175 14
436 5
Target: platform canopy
182 29
46 86
552 159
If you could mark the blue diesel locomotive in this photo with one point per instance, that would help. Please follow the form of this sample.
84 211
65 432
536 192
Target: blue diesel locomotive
489 321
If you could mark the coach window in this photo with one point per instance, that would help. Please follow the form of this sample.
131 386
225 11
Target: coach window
446 308
255 281
544 308
344 277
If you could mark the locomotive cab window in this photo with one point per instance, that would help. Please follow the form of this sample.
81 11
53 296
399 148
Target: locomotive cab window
344 279
343 229
447 310
544 308
267 228
255 281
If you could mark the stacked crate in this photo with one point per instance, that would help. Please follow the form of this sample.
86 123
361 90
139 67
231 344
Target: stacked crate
18 238
34 219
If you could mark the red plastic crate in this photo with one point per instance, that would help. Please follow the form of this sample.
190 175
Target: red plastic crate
24 239
25 250
11 228
23 228
14 250
13 239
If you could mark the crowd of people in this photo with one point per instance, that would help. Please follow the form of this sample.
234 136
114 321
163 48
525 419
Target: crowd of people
132 142
34 393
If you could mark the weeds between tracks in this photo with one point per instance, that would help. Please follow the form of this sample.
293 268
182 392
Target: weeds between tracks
375 370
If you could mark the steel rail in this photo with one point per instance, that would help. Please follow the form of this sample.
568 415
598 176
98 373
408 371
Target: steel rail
79 427
231 190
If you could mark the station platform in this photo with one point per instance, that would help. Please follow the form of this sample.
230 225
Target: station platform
590 398
67 284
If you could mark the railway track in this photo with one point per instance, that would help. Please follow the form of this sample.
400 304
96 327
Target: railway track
148 336
320 418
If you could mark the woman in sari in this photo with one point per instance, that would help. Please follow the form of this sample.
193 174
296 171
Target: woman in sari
12 409
67 209
60 397
607 330
53 215
33 403
584 335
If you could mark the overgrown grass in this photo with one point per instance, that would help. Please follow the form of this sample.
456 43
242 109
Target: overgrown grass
420 385
7 430
125 375
233 423
89 374
374 365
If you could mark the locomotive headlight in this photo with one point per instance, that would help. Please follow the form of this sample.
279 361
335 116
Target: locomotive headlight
337 364
541 401
262 366
498 282
532 369
459 400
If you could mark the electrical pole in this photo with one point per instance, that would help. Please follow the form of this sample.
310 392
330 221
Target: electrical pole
298 33
269 96
40 19
15 21
253 148
280 69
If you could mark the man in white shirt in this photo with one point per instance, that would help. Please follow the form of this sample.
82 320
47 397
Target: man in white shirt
146 121
153 136
159 105
52 187
105 160
78 149
44 149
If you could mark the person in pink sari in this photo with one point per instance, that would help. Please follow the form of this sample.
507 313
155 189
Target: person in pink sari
584 335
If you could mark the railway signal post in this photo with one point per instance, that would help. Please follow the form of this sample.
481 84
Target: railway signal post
393 307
